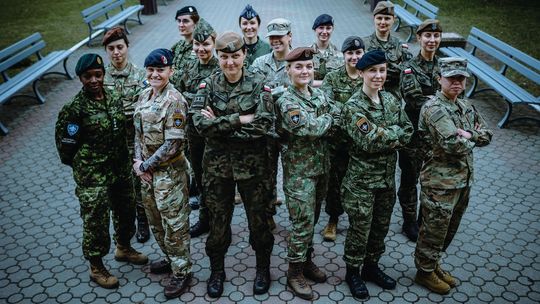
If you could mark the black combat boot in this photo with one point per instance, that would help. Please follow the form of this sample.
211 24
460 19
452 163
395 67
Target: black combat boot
214 285
199 228
262 280
410 229
356 285
143 231
372 273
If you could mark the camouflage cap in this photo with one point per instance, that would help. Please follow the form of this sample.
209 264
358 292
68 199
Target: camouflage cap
248 12
229 42
278 27
352 43
429 25
384 8
89 62
300 54
452 66
115 33
203 30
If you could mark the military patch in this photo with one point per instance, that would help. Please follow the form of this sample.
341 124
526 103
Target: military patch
437 115
145 83
72 129
98 60
408 71
294 116
178 119
202 85
267 89
198 102
404 45
363 125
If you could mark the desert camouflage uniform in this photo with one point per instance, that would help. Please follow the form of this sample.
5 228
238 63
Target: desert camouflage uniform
326 61
160 137
368 189
447 173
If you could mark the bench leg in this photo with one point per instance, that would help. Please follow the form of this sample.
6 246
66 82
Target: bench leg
397 25
504 121
68 74
139 17
39 97
410 34
3 130
470 91
126 27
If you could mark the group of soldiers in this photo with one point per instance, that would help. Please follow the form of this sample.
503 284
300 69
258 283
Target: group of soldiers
211 117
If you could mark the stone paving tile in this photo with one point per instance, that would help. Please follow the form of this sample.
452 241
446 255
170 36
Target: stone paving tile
494 256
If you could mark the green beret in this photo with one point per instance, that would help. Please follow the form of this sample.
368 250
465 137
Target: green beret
229 42
429 25
300 54
88 62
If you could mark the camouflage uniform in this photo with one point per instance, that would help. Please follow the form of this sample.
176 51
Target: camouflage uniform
396 56
256 50
183 56
339 87
303 122
100 168
368 189
447 173
189 84
158 120
326 61
235 155
418 83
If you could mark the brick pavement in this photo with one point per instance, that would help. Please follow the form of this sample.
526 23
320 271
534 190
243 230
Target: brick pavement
494 256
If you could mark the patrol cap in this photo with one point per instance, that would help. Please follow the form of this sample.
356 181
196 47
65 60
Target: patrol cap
159 58
452 66
88 62
229 42
187 10
249 13
429 25
384 8
300 54
323 19
278 27
352 43
203 30
115 33
371 58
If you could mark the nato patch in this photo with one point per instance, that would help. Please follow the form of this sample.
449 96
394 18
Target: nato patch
363 125
72 129
178 120
294 116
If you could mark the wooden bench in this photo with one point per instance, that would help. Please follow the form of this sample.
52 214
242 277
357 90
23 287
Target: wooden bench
18 52
412 20
509 57
93 14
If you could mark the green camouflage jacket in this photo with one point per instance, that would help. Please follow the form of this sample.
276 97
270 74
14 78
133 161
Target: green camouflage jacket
183 56
338 86
326 61
448 162
194 74
253 52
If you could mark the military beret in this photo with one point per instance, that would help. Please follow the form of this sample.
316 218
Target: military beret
384 8
159 58
229 42
115 33
452 66
429 25
186 10
278 27
300 54
203 30
371 58
323 19
249 12
88 62
352 43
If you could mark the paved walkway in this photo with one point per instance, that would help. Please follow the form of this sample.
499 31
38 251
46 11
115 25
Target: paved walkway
495 255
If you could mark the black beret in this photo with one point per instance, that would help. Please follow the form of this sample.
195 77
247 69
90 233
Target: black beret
300 54
248 12
323 19
88 62
115 33
371 58
352 43
186 10
159 58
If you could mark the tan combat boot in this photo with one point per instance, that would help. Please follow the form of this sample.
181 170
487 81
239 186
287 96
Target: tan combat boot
297 282
329 232
100 275
445 276
312 272
128 254
432 282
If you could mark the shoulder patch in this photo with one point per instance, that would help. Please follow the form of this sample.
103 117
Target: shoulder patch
202 85
179 120
408 71
267 89
294 117
72 129
363 125
437 115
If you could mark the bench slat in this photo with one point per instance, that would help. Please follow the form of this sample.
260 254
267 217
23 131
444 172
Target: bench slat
96 7
103 11
419 8
16 58
10 50
429 6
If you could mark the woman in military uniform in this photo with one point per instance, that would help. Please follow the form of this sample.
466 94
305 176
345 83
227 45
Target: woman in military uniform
327 58
204 38
249 22
128 81
186 18
303 121
377 127
419 82
91 138
160 120
396 52
339 86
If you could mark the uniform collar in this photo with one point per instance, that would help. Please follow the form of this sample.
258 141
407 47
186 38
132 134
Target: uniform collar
116 73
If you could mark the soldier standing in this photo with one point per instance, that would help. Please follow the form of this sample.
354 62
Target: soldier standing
450 128
304 120
396 52
207 64
249 22
186 18
233 111
418 84
377 126
128 81
90 137
339 86
328 58
160 119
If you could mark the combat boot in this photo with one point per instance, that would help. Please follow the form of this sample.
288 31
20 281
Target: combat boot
199 228
297 281
432 282
312 272
100 275
262 280
410 229
214 285
177 286
160 267
128 254
372 273
356 285
445 276
329 232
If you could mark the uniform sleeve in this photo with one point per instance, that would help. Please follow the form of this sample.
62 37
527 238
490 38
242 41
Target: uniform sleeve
327 86
264 118
257 66
481 135
67 134
298 122
406 126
